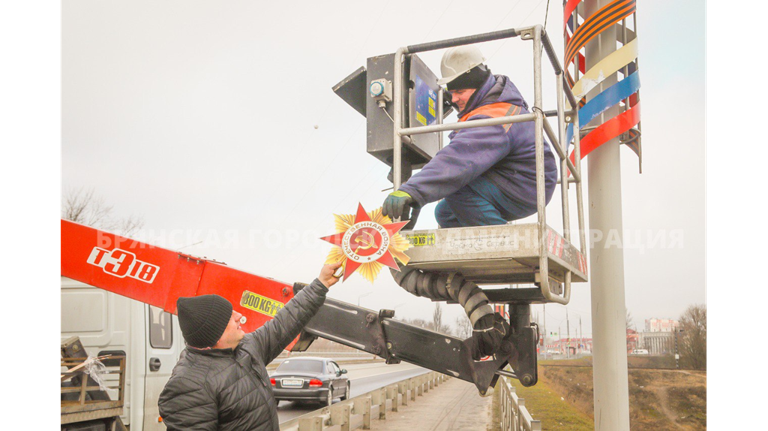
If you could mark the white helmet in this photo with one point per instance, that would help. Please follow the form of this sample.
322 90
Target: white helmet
458 61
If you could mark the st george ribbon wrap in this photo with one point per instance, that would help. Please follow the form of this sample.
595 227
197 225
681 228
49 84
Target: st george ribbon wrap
625 92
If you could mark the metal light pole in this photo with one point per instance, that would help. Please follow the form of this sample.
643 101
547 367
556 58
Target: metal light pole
546 354
611 388
677 350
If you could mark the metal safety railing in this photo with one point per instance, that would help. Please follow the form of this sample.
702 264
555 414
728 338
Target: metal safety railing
358 412
541 43
514 414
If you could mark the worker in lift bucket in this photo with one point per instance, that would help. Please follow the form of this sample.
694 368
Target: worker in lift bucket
486 175
221 380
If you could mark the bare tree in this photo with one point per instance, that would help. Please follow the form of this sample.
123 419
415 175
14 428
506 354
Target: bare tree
421 323
85 207
630 325
464 326
692 342
437 317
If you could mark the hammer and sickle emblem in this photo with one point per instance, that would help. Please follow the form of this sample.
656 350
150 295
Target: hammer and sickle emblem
366 241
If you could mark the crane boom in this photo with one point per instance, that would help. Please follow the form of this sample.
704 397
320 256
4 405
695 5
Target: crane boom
159 276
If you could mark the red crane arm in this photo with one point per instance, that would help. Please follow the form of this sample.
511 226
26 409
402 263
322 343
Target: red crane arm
159 276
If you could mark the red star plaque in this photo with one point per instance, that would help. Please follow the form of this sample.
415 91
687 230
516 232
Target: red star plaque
368 242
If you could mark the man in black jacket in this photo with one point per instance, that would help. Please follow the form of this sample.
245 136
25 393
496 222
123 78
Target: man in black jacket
221 380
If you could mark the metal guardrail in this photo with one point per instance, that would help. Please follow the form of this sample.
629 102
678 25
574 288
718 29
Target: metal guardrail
357 412
514 414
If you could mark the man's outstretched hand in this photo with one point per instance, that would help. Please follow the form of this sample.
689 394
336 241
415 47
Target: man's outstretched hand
326 274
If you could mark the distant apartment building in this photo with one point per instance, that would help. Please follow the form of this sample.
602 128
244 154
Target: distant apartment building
658 337
660 325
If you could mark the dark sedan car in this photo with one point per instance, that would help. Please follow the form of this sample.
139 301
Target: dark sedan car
310 379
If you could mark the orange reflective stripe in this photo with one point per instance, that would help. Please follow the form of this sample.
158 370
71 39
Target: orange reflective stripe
494 110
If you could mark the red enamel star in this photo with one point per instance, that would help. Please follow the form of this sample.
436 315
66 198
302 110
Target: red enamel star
366 240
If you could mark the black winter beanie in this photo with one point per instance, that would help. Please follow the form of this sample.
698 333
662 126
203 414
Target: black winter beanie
474 78
203 319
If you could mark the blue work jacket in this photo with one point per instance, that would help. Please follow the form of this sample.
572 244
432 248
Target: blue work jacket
504 154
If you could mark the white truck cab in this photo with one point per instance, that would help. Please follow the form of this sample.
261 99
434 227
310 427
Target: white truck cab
149 338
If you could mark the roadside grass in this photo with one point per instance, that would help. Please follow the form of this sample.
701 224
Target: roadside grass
547 406
659 399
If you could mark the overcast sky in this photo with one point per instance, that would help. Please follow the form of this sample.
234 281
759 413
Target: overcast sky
215 122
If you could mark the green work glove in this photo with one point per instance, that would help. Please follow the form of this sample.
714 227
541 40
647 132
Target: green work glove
397 205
